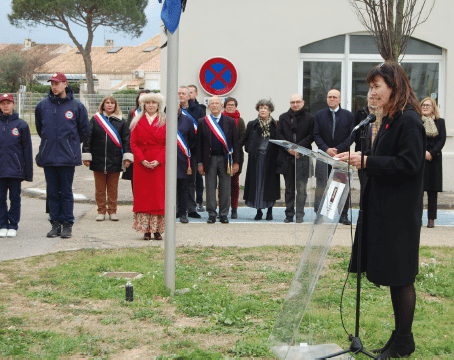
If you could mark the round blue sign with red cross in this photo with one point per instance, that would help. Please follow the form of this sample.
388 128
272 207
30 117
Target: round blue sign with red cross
218 76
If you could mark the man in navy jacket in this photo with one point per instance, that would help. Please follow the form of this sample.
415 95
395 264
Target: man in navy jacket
332 130
62 124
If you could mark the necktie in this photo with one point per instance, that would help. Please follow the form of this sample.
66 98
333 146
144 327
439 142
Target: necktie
334 122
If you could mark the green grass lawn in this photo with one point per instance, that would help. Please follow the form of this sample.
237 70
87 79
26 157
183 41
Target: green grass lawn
60 305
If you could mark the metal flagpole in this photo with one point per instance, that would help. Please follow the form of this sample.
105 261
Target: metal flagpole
171 159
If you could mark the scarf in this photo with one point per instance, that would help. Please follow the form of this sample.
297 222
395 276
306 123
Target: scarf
429 125
265 126
235 115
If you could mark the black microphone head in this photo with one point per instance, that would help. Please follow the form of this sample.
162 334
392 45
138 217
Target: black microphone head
372 118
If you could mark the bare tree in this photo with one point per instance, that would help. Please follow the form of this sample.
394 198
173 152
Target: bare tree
391 22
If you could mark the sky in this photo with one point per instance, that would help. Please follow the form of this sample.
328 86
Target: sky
46 35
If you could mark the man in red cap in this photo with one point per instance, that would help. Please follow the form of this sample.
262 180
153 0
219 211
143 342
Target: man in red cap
16 164
62 123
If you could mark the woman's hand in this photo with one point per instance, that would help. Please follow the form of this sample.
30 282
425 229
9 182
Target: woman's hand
428 156
355 159
126 163
154 163
87 162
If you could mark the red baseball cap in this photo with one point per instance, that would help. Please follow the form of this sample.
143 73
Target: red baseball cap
7 97
58 77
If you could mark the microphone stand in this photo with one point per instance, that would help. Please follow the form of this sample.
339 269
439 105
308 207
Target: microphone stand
356 346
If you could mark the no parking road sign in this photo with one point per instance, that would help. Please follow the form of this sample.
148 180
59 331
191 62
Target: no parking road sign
218 76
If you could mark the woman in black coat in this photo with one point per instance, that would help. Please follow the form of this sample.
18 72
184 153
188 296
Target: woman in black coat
107 151
262 185
433 171
392 204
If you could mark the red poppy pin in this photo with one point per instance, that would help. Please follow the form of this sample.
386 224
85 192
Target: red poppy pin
387 126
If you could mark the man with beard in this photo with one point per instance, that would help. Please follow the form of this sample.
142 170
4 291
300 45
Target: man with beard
296 126
195 113
62 124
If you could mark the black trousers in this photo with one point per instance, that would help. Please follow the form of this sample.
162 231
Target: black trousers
182 197
432 204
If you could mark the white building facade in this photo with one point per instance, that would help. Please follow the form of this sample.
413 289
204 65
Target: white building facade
309 47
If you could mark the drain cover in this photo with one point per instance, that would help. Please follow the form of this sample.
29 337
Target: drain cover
124 275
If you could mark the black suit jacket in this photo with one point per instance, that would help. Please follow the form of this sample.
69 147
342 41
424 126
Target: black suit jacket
204 141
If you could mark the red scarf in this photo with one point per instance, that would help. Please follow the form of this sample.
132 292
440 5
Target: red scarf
235 115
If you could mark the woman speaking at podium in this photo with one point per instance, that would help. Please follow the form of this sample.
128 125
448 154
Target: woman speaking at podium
393 200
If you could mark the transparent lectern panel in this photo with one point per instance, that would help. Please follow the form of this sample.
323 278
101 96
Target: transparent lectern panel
292 336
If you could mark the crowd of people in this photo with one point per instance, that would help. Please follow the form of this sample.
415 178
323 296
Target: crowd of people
402 158
209 146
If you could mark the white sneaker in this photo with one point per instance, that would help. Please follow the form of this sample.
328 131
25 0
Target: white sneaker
100 217
113 217
3 232
11 233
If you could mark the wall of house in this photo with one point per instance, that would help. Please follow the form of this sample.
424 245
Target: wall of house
262 38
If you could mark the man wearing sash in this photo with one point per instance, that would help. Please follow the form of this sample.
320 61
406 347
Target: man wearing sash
185 141
218 156
194 112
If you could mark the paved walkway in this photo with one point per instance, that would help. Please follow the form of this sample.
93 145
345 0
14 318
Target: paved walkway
31 239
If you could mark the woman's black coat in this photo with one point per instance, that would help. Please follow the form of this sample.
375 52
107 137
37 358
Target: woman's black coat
105 155
252 140
433 173
393 202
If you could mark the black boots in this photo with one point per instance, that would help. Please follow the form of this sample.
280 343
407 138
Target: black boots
259 215
67 229
402 346
234 214
269 214
56 229
387 345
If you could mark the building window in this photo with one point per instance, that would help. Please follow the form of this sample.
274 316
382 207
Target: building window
321 70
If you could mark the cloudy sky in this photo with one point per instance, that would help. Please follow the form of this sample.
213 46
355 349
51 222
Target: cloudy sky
47 35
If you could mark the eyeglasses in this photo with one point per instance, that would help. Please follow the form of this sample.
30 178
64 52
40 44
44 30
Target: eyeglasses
426 105
295 102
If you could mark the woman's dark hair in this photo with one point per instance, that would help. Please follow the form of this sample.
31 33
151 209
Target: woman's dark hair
145 91
228 99
264 102
402 93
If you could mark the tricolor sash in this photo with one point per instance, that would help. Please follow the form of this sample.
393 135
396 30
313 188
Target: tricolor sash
136 112
185 149
184 112
217 131
109 129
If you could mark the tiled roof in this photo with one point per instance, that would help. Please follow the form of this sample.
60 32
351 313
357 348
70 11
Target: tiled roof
42 52
152 65
124 61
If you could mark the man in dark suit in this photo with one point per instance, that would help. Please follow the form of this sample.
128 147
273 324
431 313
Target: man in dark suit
332 130
296 125
195 112
216 158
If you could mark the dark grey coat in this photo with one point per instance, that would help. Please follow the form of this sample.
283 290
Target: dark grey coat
272 178
433 173
393 202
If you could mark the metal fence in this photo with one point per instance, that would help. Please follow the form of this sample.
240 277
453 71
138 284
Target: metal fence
26 104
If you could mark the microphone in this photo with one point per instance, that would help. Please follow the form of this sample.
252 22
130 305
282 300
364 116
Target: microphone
369 120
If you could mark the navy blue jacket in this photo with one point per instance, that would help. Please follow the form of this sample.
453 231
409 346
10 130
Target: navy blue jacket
323 130
186 128
16 154
62 124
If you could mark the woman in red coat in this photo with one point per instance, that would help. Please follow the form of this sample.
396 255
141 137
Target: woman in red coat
148 144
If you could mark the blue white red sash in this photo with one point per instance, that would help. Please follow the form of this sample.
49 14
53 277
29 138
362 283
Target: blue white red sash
136 112
108 127
217 131
184 147
184 112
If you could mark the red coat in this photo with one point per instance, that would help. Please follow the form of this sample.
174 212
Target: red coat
148 142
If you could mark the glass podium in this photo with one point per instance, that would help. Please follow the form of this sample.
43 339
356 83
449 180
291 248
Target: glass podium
327 184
